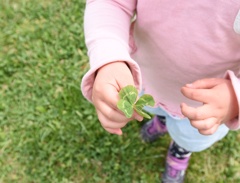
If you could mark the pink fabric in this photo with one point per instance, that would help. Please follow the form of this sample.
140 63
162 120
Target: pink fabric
170 44
234 124
178 164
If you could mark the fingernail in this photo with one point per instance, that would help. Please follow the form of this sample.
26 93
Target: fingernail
190 85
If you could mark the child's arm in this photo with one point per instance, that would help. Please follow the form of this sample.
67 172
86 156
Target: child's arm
221 101
107 25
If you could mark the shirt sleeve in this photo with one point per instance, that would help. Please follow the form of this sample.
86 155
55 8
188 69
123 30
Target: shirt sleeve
234 124
107 28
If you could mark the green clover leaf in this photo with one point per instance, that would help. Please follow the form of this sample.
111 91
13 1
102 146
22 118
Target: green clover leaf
128 102
125 107
144 100
128 96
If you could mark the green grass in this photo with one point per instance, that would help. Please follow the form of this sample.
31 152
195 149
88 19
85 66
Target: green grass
50 133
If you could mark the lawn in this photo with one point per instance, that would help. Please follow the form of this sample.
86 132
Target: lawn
50 134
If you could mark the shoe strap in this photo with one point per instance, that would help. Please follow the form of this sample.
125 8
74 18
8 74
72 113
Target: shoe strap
178 164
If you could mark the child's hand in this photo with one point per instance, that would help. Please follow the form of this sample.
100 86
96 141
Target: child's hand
108 82
219 104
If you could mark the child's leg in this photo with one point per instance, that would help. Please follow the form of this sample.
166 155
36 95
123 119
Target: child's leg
153 129
176 164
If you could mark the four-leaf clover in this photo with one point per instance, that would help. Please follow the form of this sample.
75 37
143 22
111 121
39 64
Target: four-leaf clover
128 102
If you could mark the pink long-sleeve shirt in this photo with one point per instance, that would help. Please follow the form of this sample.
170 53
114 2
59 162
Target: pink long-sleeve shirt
167 45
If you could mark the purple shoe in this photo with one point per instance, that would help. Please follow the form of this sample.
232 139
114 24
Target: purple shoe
175 169
153 129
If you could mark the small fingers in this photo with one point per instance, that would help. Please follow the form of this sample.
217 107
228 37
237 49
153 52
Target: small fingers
114 131
210 131
206 83
199 113
110 113
137 117
114 114
200 95
108 96
204 124
201 118
109 123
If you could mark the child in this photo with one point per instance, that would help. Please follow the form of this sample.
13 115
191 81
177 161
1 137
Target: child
186 54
